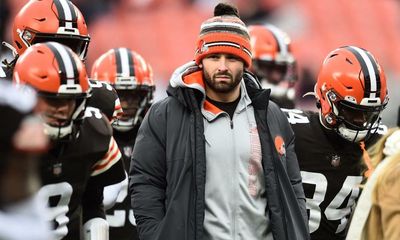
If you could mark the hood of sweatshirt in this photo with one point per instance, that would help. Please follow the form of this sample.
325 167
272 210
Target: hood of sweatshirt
190 76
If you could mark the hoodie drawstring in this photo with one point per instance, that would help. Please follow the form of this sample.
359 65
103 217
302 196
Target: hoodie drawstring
367 160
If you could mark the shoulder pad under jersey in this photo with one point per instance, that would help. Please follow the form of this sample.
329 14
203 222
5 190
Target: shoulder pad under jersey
105 98
95 130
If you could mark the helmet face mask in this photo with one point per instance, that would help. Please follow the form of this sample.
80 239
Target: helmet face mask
358 117
77 44
353 122
275 73
134 104
351 91
130 102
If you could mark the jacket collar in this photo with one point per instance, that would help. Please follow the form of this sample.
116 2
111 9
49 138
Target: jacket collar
210 112
190 76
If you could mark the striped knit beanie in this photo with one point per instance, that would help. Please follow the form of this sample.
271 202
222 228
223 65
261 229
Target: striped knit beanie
224 33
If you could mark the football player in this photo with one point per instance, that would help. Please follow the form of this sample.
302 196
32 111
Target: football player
350 93
132 77
21 211
59 21
274 63
84 156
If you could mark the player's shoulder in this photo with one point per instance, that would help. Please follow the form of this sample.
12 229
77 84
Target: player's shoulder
305 123
102 89
95 132
300 117
100 86
95 121
103 97
92 138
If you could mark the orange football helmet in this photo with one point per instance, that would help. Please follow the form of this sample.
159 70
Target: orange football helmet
50 20
273 62
56 73
351 92
132 77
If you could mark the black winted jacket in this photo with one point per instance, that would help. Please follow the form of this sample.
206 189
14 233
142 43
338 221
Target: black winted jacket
167 174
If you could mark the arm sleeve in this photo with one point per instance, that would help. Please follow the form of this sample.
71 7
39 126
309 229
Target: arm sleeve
92 201
110 168
106 171
147 184
293 170
389 203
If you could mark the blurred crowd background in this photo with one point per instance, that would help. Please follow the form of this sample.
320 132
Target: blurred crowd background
164 33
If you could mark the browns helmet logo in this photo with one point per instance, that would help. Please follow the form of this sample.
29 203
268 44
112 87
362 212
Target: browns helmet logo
280 145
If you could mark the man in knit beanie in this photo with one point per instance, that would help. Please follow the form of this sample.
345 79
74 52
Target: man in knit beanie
215 159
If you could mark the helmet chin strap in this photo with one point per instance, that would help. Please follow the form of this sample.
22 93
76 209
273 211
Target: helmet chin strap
123 126
352 135
358 135
56 133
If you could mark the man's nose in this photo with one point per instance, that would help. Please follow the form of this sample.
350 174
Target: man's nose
360 120
222 64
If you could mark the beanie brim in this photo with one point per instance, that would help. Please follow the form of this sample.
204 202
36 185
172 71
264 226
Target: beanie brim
223 42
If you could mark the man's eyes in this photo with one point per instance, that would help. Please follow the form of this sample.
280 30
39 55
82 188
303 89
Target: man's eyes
228 57
233 58
214 56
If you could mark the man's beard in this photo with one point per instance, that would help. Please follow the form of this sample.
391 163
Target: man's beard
222 87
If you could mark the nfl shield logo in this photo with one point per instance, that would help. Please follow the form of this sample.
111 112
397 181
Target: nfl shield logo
128 151
57 169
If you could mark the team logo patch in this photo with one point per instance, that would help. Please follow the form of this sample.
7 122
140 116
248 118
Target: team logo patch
57 169
203 47
280 145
